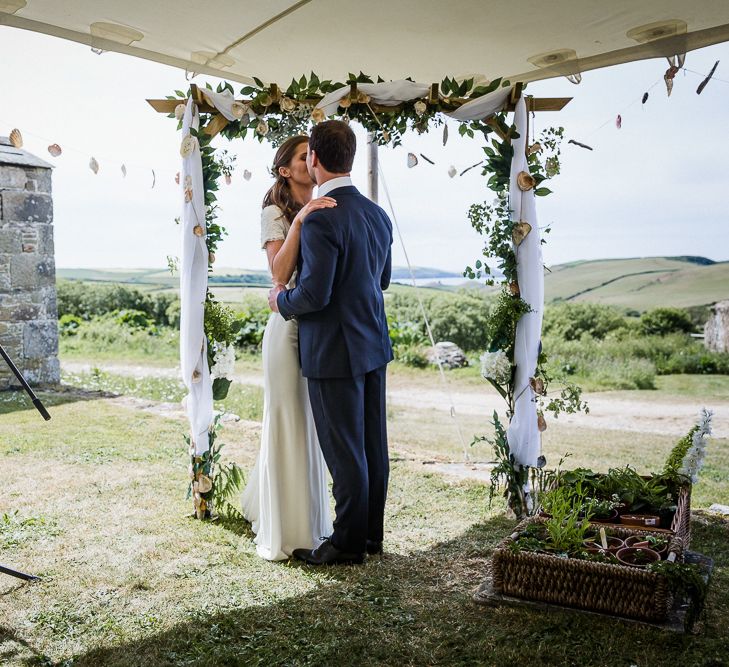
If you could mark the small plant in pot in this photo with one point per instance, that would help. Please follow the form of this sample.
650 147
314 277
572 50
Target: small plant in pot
606 511
613 544
637 557
657 543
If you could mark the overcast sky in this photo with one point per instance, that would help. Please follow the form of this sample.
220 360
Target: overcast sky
655 187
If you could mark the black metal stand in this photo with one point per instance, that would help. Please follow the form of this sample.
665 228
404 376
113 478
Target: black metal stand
44 413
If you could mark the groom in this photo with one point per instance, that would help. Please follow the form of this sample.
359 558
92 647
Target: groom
344 265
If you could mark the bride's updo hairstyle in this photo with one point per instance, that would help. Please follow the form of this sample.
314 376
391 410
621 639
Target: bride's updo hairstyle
280 193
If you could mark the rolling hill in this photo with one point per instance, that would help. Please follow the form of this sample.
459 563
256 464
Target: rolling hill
640 283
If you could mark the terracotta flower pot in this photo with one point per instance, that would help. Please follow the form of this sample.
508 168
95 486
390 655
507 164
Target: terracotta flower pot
641 542
609 518
635 557
614 544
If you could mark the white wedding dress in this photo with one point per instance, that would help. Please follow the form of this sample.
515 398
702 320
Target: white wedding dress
286 498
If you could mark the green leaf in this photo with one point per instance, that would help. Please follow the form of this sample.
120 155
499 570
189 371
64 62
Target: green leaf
259 83
542 192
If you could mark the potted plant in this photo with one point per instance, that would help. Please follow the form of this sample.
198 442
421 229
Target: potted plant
658 543
637 557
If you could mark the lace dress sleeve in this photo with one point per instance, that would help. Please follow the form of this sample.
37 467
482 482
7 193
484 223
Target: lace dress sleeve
273 225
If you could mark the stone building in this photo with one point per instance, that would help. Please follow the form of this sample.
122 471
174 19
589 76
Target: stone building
716 331
28 311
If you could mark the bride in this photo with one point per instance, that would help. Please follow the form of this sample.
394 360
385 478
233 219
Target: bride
286 499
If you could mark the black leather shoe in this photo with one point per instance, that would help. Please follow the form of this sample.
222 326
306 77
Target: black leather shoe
327 554
374 548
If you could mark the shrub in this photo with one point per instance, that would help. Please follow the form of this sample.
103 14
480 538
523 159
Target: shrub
461 318
662 321
570 321
253 318
68 325
411 355
135 319
86 300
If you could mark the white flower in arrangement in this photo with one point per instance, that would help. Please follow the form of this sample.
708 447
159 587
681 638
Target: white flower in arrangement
224 361
496 366
188 146
239 109
262 128
287 104
318 115
694 459
179 111
420 107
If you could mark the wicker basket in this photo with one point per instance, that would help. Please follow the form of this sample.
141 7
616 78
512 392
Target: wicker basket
602 587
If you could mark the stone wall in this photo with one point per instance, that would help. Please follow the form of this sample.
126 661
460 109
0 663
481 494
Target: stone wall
716 332
28 311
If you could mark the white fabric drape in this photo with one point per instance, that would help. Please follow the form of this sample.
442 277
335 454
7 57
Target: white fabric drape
523 435
392 93
193 286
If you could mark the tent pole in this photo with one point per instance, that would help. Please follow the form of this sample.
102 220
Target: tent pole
372 167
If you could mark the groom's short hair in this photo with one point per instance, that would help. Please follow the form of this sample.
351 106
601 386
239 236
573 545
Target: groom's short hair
335 145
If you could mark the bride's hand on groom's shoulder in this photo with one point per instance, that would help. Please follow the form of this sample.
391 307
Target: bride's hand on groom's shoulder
314 205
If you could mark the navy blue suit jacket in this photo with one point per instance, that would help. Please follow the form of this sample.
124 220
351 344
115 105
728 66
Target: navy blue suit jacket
344 264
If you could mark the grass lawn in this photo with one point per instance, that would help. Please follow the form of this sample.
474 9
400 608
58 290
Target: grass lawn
94 502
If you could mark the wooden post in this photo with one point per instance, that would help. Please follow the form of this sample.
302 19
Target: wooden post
372 167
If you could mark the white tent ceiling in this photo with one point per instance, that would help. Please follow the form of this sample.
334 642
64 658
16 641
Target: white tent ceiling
427 40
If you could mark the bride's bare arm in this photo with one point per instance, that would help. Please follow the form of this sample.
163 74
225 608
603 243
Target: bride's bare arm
282 255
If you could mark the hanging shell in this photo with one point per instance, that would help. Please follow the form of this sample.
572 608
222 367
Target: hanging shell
228 179
412 160
211 258
645 98
154 179
177 178
197 230
179 111
204 484
541 423
55 150
94 165
452 171
247 175
16 139
619 121
124 171
535 148
196 375
520 232
445 134
514 289
537 384
525 181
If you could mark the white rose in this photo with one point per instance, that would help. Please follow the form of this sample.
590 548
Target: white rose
224 361
188 146
287 104
179 111
420 107
262 128
239 109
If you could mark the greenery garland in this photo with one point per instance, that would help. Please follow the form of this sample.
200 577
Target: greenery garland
271 114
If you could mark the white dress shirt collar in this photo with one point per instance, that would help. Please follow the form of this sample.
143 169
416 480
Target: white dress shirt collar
333 184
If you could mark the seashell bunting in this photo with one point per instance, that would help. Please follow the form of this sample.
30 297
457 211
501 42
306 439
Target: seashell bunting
124 171
619 121
541 423
520 232
412 160
525 181
188 145
452 171
228 179
247 175
179 111
537 384
55 150
16 139
94 165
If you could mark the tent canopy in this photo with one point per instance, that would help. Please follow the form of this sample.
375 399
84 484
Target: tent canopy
423 39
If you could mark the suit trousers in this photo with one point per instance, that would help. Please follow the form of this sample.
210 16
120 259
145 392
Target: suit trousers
351 422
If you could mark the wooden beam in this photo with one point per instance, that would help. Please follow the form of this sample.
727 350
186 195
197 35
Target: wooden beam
215 125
